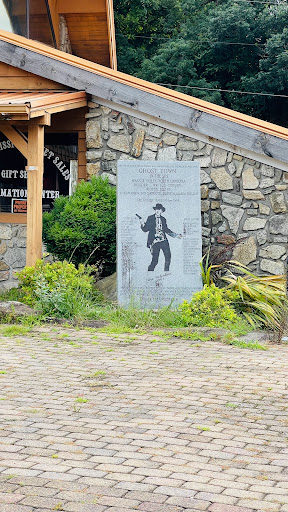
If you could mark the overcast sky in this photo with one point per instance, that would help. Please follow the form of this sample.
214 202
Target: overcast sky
4 20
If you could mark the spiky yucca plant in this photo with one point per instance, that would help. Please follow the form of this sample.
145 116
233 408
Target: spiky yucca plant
262 297
207 269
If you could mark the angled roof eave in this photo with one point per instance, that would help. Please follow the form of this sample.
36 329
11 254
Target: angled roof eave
138 83
196 114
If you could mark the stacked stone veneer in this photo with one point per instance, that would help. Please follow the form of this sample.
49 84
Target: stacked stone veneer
12 253
241 198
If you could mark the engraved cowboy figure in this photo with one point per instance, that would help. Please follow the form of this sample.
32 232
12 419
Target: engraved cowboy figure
157 228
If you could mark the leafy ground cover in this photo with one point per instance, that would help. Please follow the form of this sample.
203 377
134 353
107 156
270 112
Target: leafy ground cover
132 323
60 291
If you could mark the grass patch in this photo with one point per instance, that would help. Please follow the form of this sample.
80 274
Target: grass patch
134 322
240 327
45 337
28 321
133 318
73 344
228 338
14 330
15 294
187 335
251 344
139 321
99 373
163 334
115 329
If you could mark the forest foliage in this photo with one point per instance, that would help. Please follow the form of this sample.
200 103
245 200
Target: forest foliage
199 47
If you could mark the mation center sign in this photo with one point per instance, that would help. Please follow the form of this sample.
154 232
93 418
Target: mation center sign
159 243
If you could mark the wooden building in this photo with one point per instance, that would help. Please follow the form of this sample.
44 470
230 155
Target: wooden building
62 101
31 104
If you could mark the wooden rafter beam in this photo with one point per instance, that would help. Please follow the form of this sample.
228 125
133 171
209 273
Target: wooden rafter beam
43 119
59 108
111 34
16 138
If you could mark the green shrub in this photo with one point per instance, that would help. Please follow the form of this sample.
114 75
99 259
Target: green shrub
83 226
57 289
211 307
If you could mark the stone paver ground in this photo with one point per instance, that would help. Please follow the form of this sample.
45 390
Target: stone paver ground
174 426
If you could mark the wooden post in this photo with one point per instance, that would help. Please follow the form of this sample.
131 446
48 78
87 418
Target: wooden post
35 167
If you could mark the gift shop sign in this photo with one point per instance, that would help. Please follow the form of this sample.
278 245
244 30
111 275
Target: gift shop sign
50 155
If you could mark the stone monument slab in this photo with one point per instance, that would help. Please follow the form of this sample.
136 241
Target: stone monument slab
159 244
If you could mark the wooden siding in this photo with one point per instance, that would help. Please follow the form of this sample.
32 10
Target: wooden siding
90 26
15 79
88 35
78 6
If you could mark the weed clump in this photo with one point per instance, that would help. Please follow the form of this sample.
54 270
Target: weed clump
134 319
58 289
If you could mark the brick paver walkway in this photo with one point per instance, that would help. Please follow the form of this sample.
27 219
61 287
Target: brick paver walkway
178 426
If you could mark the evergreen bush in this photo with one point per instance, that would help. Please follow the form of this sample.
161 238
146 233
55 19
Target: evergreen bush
83 226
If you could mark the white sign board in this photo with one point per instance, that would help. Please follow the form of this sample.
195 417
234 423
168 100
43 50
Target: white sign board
159 244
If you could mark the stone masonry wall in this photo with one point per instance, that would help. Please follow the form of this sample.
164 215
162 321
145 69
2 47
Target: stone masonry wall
241 198
12 253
